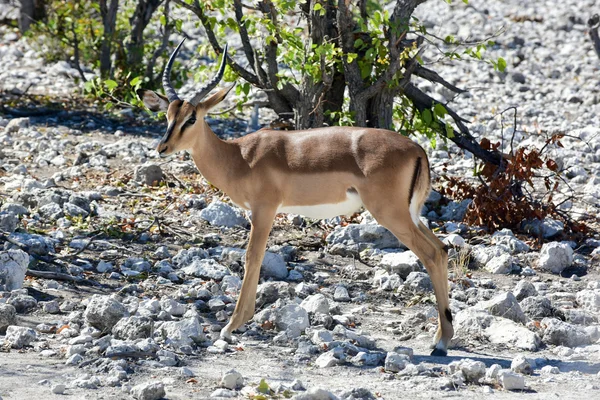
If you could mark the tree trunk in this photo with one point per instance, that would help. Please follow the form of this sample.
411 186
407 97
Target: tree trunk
31 11
380 110
140 19
109 19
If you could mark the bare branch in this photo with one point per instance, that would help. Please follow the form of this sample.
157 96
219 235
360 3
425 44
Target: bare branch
434 77
594 24
462 137
212 39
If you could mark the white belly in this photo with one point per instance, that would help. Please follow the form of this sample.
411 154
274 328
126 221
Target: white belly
349 206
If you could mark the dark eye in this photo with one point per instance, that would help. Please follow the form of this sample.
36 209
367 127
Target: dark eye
191 121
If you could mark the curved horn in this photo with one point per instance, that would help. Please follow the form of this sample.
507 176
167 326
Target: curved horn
210 85
169 91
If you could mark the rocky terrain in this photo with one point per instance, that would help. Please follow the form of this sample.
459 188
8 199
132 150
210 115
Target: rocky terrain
118 269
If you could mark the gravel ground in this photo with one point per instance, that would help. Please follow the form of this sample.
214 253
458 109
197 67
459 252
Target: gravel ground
118 269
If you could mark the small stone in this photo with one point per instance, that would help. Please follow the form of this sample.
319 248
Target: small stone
148 391
472 370
502 264
15 124
74 359
293 319
132 328
19 336
273 266
555 257
504 305
315 394
8 316
59 389
341 294
103 312
223 393
13 265
562 333
330 358
401 263
395 362
222 214
521 365
524 289
232 380
23 303
316 303
511 380
148 174
549 369
420 282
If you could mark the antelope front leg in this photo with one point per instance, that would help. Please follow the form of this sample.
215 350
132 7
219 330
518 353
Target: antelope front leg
262 221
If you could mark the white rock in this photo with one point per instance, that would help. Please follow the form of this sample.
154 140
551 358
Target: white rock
402 263
232 380
103 312
562 333
316 303
555 257
589 299
19 336
472 370
206 269
173 307
8 316
454 240
13 265
15 124
273 266
223 393
293 319
521 365
329 359
502 264
58 389
222 214
511 380
549 369
148 391
315 394
148 174
471 323
524 289
504 305
341 294
395 362
182 333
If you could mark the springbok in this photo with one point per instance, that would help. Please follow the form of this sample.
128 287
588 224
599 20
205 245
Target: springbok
318 173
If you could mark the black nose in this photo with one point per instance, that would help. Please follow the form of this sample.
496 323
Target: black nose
161 148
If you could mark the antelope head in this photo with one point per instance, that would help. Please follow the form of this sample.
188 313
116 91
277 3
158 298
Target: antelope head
185 119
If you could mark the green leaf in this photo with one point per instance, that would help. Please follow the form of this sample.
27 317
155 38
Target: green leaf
110 84
317 7
501 64
439 110
163 20
89 86
263 387
449 131
136 81
427 117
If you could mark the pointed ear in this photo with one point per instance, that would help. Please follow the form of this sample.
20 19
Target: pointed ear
215 98
152 100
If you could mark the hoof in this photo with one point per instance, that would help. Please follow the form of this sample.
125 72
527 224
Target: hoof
439 352
228 337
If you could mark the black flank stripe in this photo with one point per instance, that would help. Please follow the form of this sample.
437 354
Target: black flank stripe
414 179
